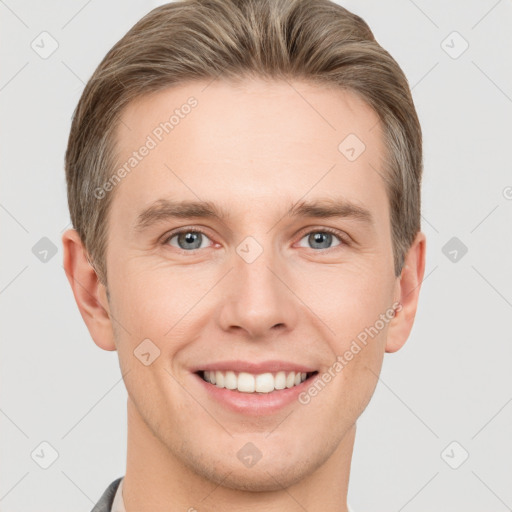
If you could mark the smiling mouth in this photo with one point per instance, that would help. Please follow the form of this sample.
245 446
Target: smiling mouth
244 382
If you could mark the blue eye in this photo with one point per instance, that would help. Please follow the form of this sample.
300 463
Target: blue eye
321 239
193 239
189 239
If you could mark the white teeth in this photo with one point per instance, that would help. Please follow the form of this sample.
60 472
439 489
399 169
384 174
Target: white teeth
230 381
280 380
249 383
264 383
245 383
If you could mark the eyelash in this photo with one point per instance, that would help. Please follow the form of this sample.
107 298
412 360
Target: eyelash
343 238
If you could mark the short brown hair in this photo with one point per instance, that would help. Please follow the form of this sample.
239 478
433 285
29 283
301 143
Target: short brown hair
312 40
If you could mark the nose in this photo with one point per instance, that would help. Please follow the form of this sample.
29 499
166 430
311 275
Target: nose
258 299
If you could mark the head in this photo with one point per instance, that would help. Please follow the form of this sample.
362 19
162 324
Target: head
282 142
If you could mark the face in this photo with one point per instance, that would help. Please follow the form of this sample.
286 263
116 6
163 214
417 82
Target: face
251 239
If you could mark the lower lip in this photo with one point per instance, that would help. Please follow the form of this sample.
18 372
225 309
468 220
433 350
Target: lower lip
255 404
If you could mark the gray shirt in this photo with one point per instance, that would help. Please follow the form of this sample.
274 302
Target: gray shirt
107 498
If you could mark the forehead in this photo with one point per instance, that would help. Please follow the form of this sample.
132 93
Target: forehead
255 140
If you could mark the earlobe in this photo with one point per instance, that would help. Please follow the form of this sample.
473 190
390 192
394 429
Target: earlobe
408 289
89 292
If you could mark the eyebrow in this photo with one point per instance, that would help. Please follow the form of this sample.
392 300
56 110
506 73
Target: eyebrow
163 209
328 208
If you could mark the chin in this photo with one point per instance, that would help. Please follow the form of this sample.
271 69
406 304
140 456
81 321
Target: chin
270 473
265 478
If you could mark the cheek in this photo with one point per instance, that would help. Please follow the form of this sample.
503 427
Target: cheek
348 297
163 305
351 301
152 300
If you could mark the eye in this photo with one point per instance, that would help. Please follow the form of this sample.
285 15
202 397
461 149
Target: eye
187 239
193 239
322 239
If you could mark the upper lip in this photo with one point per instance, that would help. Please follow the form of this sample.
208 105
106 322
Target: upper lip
270 366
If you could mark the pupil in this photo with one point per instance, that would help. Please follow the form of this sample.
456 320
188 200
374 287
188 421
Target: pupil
322 239
190 238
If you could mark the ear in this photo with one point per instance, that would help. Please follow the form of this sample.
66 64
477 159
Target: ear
407 294
90 294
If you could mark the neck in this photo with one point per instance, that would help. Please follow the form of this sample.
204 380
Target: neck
156 479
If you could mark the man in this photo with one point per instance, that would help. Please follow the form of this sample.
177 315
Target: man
244 185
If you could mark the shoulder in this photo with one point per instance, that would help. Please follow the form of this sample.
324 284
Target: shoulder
107 498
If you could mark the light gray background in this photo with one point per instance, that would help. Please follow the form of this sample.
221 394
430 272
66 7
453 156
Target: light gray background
452 381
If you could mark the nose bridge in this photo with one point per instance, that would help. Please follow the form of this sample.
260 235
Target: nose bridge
258 300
